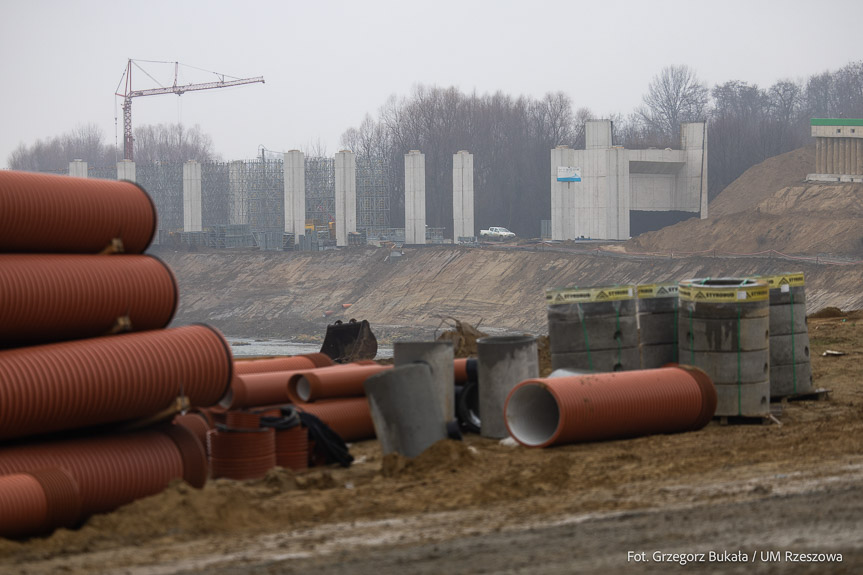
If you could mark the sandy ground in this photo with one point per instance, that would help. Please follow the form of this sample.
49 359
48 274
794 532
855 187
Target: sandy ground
480 506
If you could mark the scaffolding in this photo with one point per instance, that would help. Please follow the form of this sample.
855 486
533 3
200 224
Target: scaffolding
164 183
373 196
265 193
320 189
215 194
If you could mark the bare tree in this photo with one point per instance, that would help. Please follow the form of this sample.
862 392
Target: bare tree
172 144
85 142
675 96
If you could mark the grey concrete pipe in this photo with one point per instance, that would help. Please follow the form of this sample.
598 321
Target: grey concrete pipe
439 357
503 363
406 410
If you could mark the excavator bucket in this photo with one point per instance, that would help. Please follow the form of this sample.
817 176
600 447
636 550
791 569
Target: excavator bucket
351 341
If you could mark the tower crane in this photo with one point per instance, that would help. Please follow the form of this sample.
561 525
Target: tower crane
129 93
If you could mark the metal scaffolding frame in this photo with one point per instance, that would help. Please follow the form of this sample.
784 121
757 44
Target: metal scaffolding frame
164 183
373 195
265 195
320 189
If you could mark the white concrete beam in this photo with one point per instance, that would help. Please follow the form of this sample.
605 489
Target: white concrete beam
346 196
126 170
78 169
295 194
192 214
415 197
462 195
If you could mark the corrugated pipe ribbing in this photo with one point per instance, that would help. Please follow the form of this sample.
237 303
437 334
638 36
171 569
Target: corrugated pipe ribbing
48 298
327 383
115 470
350 418
88 382
542 412
41 213
242 454
23 506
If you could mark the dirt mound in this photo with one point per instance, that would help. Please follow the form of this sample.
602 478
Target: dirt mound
770 207
463 338
760 181
445 455
828 312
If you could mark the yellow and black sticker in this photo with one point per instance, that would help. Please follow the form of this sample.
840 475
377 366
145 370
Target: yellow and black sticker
657 290
589 295
778 281
746 292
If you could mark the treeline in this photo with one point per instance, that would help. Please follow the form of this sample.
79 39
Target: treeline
511 137
168 143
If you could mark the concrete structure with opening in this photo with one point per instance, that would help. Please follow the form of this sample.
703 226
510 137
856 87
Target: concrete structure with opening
594 190
838 150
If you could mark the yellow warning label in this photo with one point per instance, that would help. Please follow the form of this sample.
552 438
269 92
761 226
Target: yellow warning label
794 279
746 292
657 290
588 295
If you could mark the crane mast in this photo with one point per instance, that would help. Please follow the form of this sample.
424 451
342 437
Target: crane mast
129 93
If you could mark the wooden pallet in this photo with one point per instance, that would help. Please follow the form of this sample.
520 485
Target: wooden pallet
820 394
762 419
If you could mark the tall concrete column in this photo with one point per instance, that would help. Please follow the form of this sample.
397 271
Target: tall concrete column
78 169
462 195
192 214
126 170
237 193
693 139
295 194
859 160
843 157
849 156
415 197
562 212
830 148
824 149
346 196
819 147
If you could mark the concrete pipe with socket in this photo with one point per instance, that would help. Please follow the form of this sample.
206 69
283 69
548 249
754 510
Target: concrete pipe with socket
504 362
438 355
595 407
406 410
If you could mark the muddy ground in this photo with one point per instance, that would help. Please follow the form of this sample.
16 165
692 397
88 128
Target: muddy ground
481 506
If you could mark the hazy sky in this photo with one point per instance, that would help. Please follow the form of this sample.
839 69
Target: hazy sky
328 63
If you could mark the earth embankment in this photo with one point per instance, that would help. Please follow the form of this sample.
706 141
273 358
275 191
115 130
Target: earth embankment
287 294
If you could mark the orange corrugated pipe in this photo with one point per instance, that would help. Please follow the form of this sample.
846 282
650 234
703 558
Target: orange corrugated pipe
307 361
48 298
326 383
38 502
349 417
23 506
237 454
113 470
543 412
41 213
88 382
